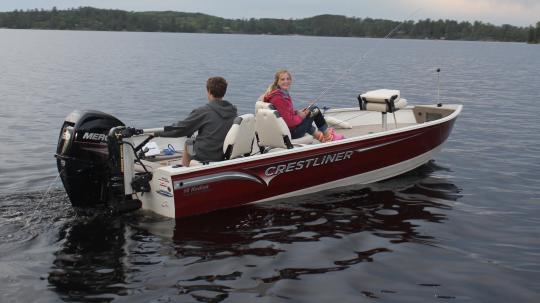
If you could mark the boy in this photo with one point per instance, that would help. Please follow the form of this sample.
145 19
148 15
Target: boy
212 121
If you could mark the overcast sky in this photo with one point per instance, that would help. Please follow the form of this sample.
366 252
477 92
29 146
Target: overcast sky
515 12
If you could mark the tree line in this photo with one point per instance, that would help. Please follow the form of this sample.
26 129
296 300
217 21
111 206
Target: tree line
88 18
534 34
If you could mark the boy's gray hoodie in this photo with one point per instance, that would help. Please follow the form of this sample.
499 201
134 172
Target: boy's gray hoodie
212 121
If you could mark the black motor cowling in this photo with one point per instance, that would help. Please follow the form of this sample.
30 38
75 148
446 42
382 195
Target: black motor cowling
82 156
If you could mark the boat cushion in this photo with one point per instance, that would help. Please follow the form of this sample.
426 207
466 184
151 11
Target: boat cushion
380 95
382 100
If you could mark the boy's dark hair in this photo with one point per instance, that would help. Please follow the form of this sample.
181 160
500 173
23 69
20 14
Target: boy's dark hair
217 86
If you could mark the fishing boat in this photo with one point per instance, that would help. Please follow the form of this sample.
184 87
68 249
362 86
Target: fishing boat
103 162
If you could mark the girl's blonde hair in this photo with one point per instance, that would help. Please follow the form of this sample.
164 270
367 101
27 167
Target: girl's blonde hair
274 85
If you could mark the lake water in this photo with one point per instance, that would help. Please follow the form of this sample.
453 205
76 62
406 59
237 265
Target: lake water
463 228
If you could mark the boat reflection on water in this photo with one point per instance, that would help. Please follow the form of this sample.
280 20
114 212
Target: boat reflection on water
387 209
90 263
97 253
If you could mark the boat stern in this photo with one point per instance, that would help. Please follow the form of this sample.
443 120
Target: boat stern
160 199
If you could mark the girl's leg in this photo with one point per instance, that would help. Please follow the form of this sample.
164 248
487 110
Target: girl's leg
305 127
328 134
319 119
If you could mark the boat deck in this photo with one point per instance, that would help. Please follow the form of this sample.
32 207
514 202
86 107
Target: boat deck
369 129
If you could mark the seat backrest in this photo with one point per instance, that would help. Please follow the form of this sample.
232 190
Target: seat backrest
272 131
263 105
239 139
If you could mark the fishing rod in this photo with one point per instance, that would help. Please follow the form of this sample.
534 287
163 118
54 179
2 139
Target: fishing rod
364 55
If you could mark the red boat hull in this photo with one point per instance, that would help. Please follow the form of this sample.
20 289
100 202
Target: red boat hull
270 177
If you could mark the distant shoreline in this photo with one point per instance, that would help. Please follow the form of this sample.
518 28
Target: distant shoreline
287 35
94 19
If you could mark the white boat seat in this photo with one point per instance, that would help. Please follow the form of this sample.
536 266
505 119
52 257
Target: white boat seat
272 131
383 101
239 139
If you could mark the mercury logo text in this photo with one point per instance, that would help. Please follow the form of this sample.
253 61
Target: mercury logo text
95 137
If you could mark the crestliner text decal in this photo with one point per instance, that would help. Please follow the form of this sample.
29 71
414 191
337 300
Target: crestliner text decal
265 173
272 171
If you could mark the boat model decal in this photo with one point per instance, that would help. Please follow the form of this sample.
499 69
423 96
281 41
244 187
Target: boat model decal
273 171
196 181
361 150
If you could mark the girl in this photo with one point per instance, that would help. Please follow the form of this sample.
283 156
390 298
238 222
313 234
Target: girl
301 121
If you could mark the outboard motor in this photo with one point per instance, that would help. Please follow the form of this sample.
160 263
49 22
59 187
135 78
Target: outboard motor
84 161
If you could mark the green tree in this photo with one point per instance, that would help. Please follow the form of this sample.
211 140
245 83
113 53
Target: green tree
532 35
88 18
